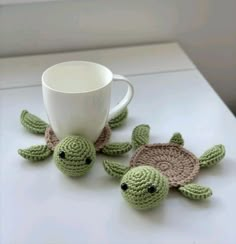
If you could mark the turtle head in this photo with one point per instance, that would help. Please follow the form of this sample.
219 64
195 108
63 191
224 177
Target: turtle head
74 155
143 187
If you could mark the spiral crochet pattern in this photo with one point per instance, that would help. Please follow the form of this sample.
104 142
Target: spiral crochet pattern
144 187
74 155
178 164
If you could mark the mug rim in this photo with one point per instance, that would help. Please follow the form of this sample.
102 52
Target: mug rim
77 92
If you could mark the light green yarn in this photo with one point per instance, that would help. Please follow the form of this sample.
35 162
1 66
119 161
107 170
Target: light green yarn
119 120
115 169
177 139
139 180
195 192
78 153
35 153
140 135
212 156
74 156
33 123
156 167
115 149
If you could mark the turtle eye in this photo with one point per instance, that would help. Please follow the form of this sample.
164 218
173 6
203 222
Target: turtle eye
88 160
152 189
62 155
124 186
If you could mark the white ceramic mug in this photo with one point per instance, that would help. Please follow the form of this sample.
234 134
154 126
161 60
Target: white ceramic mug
77 98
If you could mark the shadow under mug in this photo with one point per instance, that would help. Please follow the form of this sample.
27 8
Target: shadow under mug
77 96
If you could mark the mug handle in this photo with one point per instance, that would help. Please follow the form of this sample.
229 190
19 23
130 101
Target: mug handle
125 101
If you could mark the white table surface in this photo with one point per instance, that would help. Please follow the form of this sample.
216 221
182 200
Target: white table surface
39 205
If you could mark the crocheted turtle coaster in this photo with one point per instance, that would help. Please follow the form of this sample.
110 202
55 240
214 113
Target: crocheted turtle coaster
74 155
154 168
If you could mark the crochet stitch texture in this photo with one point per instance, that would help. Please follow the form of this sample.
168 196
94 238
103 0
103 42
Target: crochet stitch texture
146 187
73 155
140 135
118 121
154 168
33 123
176 163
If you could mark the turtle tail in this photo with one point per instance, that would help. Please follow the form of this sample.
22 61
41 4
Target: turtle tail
33 123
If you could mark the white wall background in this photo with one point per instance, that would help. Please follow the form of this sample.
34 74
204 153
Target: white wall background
206 29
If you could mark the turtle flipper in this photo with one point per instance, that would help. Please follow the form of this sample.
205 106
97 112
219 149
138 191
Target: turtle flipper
32 123
118 120
115 149
115 169
195 191
212 156
177 139
140 135
35 153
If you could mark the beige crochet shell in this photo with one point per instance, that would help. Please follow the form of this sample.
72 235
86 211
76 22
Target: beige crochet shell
178 164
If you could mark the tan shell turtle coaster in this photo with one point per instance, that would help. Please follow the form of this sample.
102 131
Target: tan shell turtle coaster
74 155
154 168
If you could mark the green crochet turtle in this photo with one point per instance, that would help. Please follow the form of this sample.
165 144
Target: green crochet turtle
154 168
74 155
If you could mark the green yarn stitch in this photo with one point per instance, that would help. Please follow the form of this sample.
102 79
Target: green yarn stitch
115 149
119 120
79 153
177 139
74 155
35 153
144 187
140 135
212 156
115 169
33 123
195 192
169 164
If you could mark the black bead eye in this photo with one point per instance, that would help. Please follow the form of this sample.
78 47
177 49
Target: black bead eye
62 155
88 160
152 189
124 186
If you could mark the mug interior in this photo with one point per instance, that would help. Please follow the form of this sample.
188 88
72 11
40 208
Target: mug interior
76 77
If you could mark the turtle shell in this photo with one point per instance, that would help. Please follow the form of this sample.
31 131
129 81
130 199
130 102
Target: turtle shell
103 138
52 140
178 164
